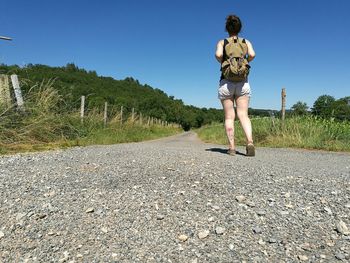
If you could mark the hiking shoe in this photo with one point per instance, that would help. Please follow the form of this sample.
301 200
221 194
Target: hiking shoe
250 150
231 151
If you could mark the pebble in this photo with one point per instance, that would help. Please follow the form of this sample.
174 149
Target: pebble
342 228
160 217
257 230
211 219
220 230
347 205
104 229
90 210
303 257
340 256
260 212
215 207
328 210
250 204
306 246
182 238
261 242
287 195
203 234
1 234
330 243
272 240
240 198
19 216
42 216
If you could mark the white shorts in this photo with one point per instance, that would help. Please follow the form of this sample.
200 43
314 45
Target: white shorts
229 89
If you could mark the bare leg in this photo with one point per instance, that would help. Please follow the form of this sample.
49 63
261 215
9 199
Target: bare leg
229 121
242 103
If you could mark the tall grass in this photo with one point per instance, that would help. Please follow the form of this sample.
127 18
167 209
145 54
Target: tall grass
45 125
298 132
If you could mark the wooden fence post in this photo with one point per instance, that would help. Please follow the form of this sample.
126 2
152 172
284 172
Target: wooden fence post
132 115
82 109
121 114
140 120
18 92
105 115
283 103
5 94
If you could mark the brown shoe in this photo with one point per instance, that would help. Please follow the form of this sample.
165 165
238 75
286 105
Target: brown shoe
231 152
250 150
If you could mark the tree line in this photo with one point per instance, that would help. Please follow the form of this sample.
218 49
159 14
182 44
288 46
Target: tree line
325 106
72 82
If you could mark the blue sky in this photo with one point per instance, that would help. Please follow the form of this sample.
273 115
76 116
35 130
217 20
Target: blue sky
301 45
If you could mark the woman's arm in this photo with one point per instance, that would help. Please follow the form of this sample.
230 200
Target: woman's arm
219 51
251 52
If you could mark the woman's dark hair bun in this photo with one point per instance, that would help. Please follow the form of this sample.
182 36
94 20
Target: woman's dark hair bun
233 24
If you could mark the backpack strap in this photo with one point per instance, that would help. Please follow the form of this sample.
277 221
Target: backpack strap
224 51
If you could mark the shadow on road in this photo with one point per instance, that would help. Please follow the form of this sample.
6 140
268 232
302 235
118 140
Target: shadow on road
224 151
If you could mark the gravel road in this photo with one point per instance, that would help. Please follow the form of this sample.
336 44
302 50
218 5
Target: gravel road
174 200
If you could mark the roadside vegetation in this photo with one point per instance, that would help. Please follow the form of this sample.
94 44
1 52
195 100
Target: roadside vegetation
309 132
325 126
47 124
52 101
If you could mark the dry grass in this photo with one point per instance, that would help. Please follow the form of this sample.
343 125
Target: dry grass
296 132
44 125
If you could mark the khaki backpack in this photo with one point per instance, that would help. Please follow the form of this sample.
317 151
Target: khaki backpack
235 66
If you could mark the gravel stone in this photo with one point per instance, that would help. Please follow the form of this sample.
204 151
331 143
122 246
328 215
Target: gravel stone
303 257
340 256
216 207
342 228
257 230
220 230
128 186
211 219
272 240
328 210
240 198
90 210
160 217
203 234
261 212
182 238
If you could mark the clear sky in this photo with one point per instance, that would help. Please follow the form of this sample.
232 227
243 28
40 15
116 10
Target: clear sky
302 45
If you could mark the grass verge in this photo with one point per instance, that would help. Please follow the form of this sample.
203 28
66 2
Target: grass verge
296 132
45 126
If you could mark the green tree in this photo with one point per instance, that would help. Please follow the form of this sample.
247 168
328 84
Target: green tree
323 106
341 109
300 108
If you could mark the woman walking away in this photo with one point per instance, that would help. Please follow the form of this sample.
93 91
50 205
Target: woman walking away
234 54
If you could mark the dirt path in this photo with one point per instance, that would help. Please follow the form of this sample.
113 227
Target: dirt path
174 200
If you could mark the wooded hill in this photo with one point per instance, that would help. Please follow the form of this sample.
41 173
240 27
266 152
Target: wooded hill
73 82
